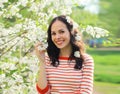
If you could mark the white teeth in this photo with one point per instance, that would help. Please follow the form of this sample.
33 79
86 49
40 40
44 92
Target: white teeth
59 42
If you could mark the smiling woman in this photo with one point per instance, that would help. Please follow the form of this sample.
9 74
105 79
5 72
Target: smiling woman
61 36
65 68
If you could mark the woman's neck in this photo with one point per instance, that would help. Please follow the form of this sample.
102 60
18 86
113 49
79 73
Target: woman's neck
66 52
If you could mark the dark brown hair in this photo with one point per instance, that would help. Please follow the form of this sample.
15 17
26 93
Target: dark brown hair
53 51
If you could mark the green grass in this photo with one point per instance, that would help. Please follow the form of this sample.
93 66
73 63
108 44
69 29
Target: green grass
107 65
106 88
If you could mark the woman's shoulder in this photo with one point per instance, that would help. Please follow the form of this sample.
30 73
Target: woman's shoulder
88 58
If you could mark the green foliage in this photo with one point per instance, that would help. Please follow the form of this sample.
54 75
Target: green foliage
83 17
109 16
112 42
107 65
12 1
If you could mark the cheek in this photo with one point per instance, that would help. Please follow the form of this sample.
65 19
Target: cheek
52 38
68 37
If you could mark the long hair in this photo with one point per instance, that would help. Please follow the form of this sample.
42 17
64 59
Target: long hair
53 51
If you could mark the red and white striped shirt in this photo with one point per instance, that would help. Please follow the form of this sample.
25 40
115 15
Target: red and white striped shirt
64 79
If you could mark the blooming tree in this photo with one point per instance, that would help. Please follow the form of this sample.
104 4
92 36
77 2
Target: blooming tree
22 24
95 32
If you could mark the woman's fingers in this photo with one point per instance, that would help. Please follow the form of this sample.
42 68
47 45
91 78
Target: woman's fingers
39 52
39 46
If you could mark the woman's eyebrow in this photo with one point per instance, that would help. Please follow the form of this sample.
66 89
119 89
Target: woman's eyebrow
60 29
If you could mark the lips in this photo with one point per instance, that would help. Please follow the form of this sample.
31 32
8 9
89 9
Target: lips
59 42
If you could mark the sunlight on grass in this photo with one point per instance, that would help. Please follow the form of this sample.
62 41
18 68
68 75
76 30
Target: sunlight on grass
106 88
107 65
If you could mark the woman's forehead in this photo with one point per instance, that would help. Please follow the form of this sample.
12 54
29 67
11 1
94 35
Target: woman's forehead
58 25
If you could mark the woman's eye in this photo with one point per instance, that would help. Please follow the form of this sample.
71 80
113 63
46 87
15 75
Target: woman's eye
53 33
62 31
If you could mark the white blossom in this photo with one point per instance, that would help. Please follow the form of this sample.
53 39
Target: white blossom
2 3
22 2
77 54
75 25
77 37
96 32
68 19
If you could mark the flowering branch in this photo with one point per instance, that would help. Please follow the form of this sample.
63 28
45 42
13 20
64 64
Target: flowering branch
95 32
4 52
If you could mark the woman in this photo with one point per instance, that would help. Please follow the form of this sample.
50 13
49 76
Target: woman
65 68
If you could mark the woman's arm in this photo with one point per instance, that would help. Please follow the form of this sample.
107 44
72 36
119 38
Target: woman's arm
87 76
42 84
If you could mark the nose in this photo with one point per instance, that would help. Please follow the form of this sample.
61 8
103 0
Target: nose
57 36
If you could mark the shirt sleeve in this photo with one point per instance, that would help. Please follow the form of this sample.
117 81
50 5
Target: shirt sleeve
86 86
46 90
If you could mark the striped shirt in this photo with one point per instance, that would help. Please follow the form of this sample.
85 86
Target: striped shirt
64 79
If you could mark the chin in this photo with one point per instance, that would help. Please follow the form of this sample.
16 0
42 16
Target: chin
60 47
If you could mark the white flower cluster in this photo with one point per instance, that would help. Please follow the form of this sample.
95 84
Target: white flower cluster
96 32
23 2
13 75
25 22
43 40
2 3
70 21
77 54
12 11
75 26
77 37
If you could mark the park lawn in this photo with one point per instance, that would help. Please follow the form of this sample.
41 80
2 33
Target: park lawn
107 65
106 88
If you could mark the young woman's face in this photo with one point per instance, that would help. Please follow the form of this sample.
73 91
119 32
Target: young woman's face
60 35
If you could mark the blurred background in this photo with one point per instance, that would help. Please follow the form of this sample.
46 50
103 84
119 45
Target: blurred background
23 21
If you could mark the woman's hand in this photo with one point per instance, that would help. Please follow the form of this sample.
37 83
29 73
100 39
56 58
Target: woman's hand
40 52
42 79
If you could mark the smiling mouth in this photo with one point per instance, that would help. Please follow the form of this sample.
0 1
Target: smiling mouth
59 42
